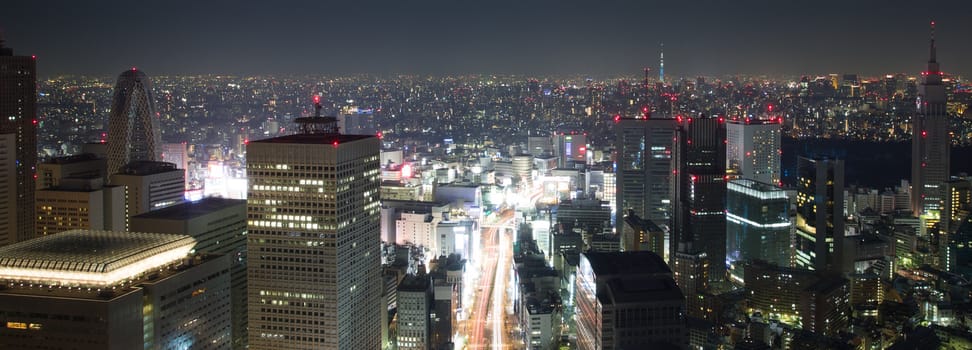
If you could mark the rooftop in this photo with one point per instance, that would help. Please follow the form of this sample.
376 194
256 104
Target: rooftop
322 139
627 263
639 290
146 167
190 210
90 258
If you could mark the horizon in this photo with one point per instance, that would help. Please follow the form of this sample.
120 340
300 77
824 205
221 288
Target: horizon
438 38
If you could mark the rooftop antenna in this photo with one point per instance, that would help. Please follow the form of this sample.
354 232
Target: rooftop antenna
317 124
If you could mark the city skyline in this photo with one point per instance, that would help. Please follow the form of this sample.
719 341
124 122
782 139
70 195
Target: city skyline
701 38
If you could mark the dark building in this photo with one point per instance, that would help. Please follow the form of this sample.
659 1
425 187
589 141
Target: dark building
820 215
133 126
628 300
931 141
644 168
699 195
18 138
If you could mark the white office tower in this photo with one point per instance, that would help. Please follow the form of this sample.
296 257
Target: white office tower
314 269
753 150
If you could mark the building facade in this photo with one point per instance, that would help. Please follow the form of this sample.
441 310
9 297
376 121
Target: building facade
931 142
643 174
139 291
18 106
133 125
219 227
699 191
819 241
314 269
753 149
757 225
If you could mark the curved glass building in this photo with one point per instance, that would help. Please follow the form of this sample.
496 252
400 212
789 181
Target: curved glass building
133 126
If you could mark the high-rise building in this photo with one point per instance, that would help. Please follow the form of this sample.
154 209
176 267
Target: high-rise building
819 241
757 225
414 308
699 190
219 227
628 300
113 290
150 185
8 189
80 203
314 260
798 297
18 108
570 147
931 141
691 267
133 126
643 168
85 165
753 149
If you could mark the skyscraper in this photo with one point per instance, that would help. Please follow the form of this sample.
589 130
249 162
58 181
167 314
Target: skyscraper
820 214
757 225
133 126
644 168
314 269
18 108
753 150
930 142
699 189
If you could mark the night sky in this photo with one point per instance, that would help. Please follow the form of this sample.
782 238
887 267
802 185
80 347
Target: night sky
520 37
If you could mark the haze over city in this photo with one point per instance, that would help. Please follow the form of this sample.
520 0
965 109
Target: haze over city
712 38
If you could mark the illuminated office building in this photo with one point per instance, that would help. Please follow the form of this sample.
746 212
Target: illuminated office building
113 290
314 260
753 149
86 165
219 227
80 203
18 144
150 185
757 225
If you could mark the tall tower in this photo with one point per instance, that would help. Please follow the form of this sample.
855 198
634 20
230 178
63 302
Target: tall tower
820 214
314 261
18 145
661 64
699 189
930 142
133 126
753 150
643 168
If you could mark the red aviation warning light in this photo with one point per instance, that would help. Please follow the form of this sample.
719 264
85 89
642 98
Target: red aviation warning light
335 143
317 99
617 118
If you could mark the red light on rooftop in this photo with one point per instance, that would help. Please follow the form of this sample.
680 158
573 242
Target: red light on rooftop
678 118
721 120
924 133
317 99
694 178
380 135
33 57
133 69
335 143
617 118
34 121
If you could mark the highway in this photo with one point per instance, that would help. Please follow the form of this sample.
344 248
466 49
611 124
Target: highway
484 328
